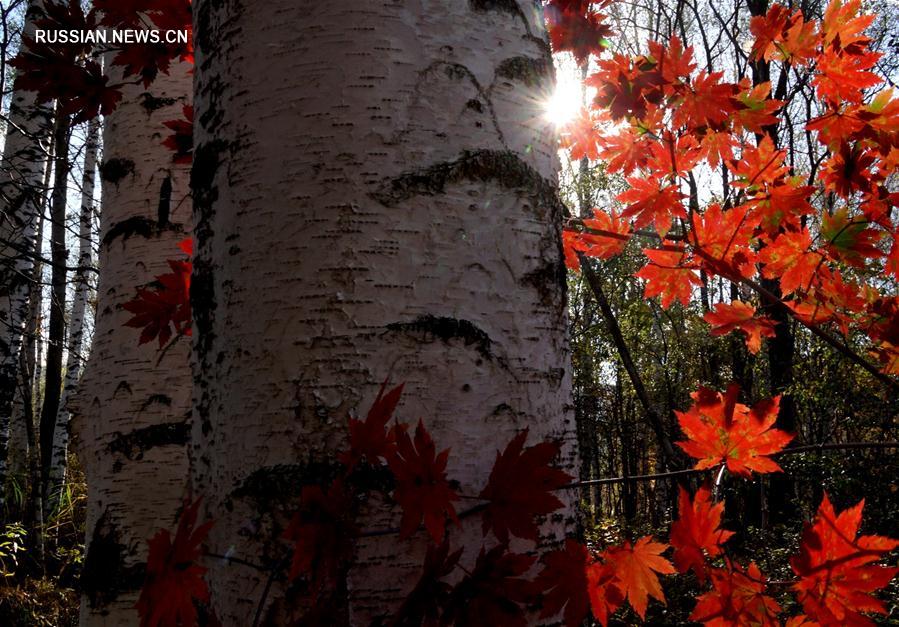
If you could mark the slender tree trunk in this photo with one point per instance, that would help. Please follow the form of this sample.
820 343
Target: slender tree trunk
131 410
375 199
21 172
80 300
31 347
56 329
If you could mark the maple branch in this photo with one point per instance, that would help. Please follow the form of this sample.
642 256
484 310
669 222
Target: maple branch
835 343
833 446
268 586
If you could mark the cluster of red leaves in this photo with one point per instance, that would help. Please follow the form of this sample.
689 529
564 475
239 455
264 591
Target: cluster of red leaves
174 577
69 74
835 568
162 308
668 118
65 72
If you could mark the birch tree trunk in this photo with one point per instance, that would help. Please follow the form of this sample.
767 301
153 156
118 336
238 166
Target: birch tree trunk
30 354
374 196
130 414
74 359
21 171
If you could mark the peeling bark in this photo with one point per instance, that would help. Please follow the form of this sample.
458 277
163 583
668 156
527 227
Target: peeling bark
374 196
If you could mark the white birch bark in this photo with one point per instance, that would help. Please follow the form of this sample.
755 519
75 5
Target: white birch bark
130 413
74 358
374 195
30 354
21 172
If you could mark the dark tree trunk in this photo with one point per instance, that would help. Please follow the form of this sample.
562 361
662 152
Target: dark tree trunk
57 326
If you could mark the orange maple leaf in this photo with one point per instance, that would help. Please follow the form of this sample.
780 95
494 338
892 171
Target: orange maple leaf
834 566
668 276
649 202
696 533
721 430
740 316
637 567
791 259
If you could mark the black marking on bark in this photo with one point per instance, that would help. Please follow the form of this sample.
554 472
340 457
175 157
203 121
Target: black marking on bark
151 103
139 226
207 159
114 170
133 445
500 166
502 408
283 483
550 281
165 202
161 399
475 105
527 70
447 329
105 575
123 385
507 6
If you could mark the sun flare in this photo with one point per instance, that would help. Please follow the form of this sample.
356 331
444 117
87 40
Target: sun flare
566 100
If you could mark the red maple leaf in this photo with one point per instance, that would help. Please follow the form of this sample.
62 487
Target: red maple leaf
122 13
791 259
835 568
849 239
578 30
706 102
737 598
164 306
520 488
627 86
181 141
669 276
723 241
648 201
423 606
422 489
371 439
581 137
174 578
842 76
783 36
721 430
608 238
494 592
564 583
696 534
323 531
755 108
636 568
605 595
624 151
848 170
740 316
758 166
